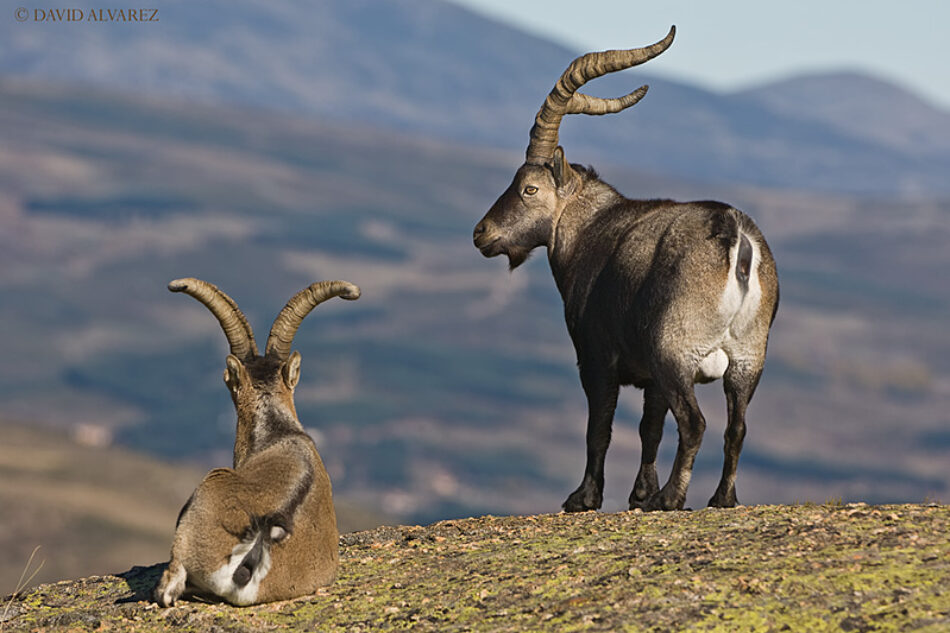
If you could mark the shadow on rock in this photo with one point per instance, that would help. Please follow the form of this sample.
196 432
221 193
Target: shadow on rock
141 581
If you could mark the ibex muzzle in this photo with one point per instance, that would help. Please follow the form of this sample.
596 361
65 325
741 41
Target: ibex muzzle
266 529
657 294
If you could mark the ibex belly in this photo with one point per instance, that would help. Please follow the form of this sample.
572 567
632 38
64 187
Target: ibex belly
738 307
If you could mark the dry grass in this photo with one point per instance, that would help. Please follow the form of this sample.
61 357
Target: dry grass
22 584
763 568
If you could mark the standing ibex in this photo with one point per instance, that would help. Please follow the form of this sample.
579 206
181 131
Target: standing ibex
657 294
266 529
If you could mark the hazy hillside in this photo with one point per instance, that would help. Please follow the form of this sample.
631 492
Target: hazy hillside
804 568
432 68
94 509
861 106
449 388
424 65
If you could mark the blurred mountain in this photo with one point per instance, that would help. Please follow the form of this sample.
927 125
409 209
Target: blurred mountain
861 106
420 65
432 68
450 387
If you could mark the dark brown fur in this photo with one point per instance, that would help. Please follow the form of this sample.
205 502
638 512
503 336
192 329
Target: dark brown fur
644 284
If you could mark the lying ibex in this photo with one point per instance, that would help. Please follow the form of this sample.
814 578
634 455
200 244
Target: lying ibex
657 294
266 529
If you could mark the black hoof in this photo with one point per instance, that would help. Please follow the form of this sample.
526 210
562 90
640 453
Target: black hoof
582 500
724 500
640 495
645 486
662 500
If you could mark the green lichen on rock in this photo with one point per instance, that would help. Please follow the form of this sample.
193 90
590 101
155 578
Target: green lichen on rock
766 568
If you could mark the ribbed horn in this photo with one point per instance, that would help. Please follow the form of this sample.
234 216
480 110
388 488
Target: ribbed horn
564 98
225 310
285 325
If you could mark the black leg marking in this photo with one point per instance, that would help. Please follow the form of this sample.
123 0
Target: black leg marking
739 389
602 394
691 424
651 432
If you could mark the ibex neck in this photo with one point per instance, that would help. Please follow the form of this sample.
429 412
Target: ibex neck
261 425
594 197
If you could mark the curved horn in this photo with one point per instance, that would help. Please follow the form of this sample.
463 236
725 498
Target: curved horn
564 98
232 320
285 325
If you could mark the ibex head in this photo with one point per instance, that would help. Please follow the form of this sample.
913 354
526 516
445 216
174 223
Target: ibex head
262 387
526 214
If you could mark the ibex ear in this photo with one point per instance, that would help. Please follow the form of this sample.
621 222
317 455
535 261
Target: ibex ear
563 174
234 373
291 370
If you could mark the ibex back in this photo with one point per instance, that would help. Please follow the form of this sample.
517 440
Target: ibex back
657 294
266 529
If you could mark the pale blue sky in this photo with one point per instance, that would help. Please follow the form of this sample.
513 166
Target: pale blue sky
728 44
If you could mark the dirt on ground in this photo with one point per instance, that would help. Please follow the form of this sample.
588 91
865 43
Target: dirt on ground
765 568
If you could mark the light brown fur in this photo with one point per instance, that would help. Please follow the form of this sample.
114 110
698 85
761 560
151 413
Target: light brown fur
265 529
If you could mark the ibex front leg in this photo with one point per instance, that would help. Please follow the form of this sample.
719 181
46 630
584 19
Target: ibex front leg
602 390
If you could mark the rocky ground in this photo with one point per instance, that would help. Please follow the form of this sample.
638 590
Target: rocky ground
764 568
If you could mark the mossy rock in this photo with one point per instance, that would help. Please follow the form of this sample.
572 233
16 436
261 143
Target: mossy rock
764 568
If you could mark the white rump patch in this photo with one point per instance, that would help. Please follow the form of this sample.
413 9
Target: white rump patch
736 306
221 581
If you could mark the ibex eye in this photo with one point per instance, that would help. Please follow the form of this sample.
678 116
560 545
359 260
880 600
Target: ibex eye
530 191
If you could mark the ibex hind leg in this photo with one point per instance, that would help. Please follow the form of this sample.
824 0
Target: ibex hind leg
691 425
739 384
651 432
